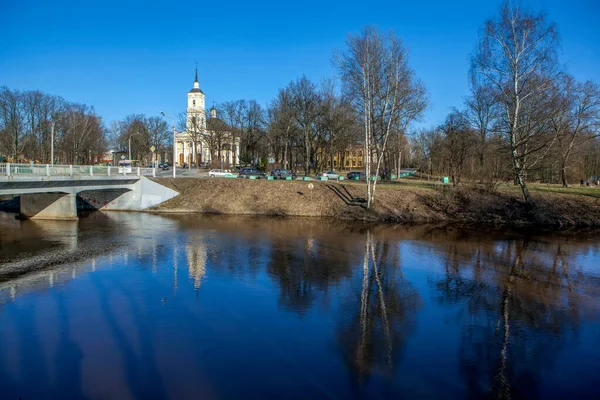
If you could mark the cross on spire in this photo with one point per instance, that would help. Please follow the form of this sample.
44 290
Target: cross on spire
196 72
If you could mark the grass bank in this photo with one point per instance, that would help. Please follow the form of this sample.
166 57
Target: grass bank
408 201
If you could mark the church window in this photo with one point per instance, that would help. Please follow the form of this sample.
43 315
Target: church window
194 102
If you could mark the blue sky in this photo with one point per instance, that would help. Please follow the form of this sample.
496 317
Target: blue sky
139 57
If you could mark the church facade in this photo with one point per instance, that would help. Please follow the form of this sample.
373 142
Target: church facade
207 142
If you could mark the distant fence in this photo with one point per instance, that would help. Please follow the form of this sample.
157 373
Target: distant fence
9 169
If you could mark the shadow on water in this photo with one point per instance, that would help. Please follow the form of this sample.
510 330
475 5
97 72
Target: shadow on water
142 375
68 359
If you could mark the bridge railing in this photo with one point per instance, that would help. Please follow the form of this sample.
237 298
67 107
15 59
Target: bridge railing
10 169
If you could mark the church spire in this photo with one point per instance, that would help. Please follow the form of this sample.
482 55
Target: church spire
196 83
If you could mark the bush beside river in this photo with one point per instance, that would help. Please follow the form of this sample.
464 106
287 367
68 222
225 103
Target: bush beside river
405 202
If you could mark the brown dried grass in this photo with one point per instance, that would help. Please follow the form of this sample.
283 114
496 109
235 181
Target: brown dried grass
393 203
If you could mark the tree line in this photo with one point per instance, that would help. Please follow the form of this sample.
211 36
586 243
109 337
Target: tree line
526 119
29 119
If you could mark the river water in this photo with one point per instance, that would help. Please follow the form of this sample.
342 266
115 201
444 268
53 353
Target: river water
140 306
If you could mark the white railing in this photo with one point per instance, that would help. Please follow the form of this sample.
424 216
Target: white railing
10 169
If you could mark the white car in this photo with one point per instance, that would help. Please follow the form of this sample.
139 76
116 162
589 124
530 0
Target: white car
219 173
330 175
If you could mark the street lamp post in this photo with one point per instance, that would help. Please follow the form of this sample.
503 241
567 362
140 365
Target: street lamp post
52 144
174 142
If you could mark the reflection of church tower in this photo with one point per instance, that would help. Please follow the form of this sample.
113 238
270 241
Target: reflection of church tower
196 259
196 115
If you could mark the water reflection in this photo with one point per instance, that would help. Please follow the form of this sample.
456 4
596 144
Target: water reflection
143 306
378 319
523 302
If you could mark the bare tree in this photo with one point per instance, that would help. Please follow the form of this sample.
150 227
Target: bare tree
233 114
305 101
26 119
282 126
159 134
218 138
13 120
480 112
336 122
576 119
459 143
383 89
82 134
254 123
516 55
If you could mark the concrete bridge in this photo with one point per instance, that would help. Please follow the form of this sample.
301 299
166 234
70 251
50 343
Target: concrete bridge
53 192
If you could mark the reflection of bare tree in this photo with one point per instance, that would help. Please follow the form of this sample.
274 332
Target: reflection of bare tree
378 326
523 303
305 268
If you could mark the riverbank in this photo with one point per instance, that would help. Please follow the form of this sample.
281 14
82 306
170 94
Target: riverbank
404 202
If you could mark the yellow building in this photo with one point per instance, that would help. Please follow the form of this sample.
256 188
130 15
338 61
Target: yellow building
352 158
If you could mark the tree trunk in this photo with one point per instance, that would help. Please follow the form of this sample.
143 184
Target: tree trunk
306 156
563 173
517 165
521 182
399 163
285 150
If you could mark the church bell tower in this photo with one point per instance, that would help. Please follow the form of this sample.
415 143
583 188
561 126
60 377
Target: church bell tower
196 114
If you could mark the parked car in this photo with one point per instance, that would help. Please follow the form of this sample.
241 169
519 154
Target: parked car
163 166
219 173
354 175
373 175
282 174
330 174
248 172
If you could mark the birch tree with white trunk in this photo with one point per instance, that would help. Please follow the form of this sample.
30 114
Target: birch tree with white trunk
383 90
516 55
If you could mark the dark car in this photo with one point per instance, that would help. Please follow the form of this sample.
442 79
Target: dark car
163 166
248 172
282 174
356 175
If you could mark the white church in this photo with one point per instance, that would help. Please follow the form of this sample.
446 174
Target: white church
199 145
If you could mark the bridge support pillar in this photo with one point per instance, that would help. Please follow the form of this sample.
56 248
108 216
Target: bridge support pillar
49 206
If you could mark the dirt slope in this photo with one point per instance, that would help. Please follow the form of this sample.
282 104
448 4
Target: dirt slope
394 203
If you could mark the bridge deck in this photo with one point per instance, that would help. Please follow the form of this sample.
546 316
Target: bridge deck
41 178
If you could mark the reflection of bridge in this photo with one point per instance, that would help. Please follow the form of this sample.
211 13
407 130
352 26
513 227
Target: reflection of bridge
57 251
51 192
